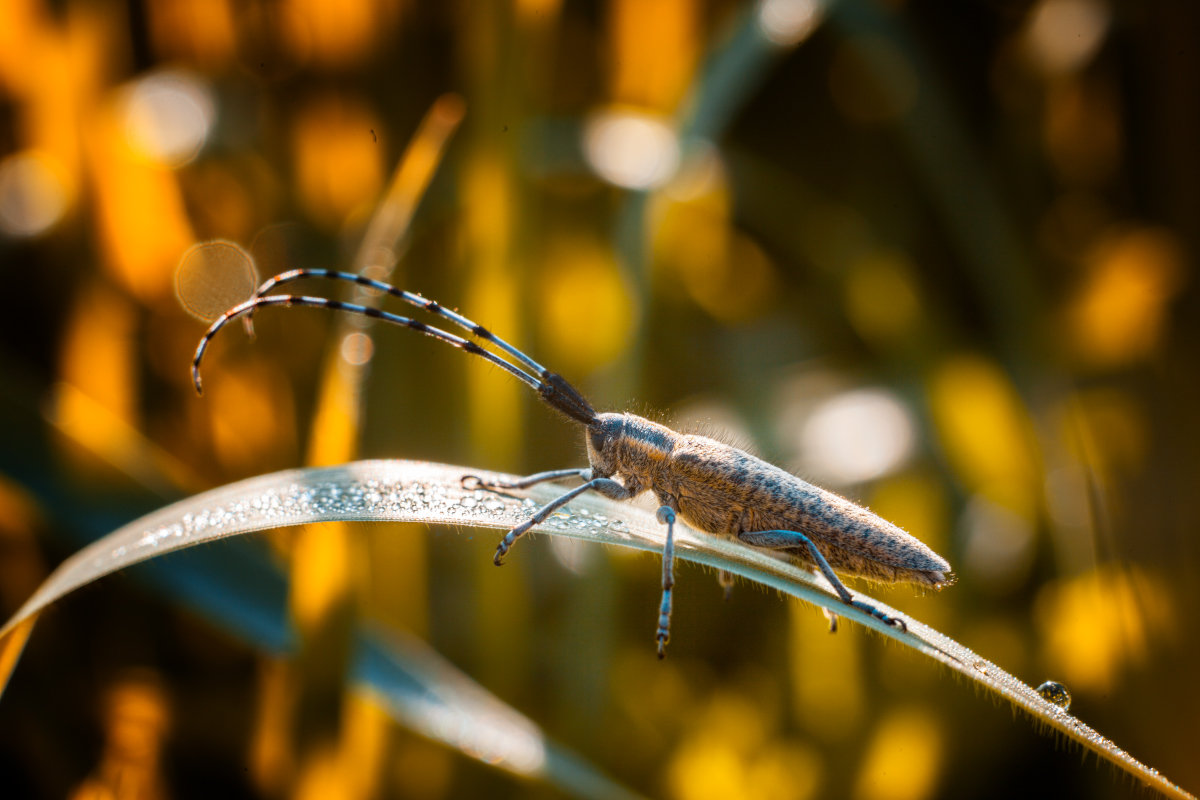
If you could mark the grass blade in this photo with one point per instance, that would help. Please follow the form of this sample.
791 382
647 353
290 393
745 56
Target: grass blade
424 492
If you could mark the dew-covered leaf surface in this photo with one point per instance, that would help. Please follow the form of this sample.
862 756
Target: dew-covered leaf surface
424 492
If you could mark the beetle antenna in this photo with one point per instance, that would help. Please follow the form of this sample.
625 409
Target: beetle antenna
551 387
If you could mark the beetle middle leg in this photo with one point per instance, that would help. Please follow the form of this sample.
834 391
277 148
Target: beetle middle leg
780 539
666 515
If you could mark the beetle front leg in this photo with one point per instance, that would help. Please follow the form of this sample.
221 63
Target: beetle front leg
606 487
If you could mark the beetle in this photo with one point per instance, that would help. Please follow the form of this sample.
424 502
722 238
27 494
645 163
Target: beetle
713 486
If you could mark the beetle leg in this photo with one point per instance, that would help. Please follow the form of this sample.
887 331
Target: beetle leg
605 486
780 539
666 515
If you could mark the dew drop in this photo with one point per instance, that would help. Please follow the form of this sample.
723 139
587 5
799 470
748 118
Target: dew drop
1056 693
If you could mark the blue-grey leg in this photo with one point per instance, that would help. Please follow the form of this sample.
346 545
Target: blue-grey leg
780 539
666 516
471 482
606 487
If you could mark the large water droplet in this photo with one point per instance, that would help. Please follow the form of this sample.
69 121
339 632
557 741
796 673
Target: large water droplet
1056 693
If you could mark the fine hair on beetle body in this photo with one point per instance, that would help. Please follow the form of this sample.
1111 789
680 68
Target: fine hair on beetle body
714 487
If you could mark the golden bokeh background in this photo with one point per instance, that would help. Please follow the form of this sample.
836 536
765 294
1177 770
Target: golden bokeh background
936 256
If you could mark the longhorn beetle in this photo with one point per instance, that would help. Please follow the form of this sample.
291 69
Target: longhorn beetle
714 487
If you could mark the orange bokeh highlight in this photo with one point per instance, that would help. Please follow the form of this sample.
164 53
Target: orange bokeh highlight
1120 311
654 50
338 159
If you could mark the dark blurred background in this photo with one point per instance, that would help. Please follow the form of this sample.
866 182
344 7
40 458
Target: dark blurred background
936 256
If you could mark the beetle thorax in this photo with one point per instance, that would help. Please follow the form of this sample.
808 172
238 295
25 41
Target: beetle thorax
629 445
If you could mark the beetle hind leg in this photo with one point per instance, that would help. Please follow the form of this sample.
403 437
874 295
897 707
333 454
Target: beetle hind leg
781 539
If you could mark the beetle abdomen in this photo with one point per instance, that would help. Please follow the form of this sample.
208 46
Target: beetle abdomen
723 490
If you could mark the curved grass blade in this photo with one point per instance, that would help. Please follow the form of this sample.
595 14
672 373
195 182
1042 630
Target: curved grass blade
424 492
236 586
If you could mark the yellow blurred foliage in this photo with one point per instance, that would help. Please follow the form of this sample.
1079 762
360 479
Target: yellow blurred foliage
645 694
143 224
585 311
269 755
827 679
390 221
538 11
338 158
366 728
239 197
493 394
1113 430
12 646
23 26
56 73
201 31
23 565
136 719
653 51
493 295
1120 310
1095 625
321 777
490 197
396 588
425 769
984 430
336 424
98 360
903 759
322 572
881 297
252 416
350 769
724 272
337 34
730 755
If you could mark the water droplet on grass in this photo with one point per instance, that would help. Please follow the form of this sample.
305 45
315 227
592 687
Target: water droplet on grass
1056 693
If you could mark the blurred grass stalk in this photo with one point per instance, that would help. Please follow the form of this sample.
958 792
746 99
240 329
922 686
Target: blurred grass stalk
328 563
